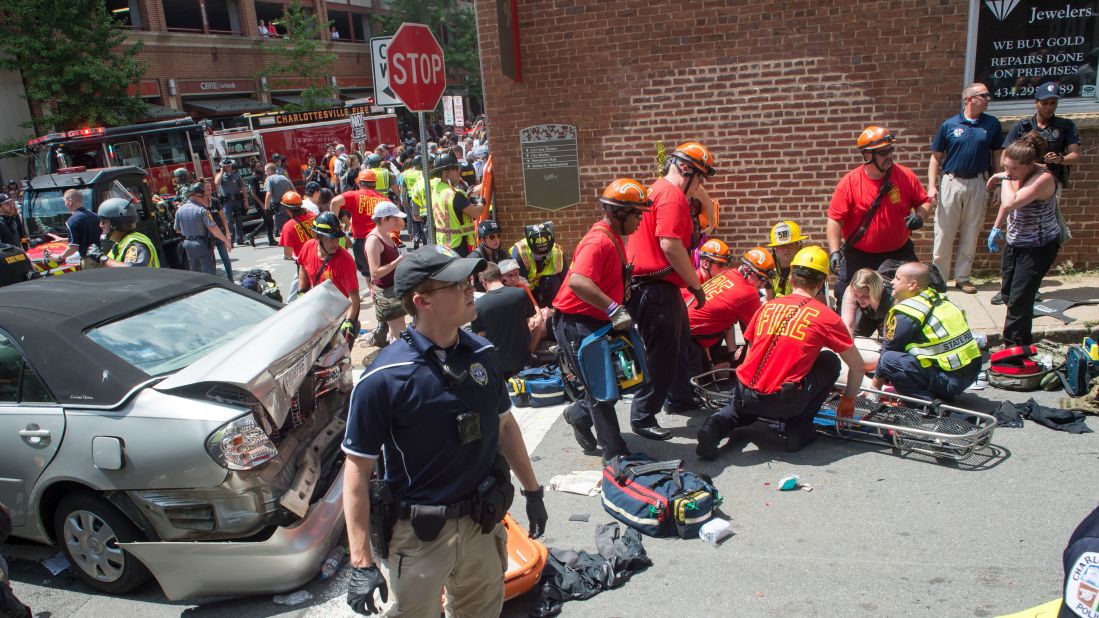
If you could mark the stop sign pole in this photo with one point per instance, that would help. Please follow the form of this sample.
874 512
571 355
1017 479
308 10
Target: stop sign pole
417 75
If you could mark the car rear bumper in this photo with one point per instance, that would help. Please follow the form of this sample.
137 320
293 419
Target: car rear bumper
289 558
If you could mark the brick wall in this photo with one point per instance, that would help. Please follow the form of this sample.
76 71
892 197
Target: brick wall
778 91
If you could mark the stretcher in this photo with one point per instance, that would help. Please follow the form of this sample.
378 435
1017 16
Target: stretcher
907 424
526 557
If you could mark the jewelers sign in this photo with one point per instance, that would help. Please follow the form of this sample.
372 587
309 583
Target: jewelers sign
551 166
1022 44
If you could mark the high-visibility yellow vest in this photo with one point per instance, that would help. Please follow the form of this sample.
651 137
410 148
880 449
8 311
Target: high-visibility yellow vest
950 344
777 285
555 262
118 251
417 193
381 182
451 229
410 176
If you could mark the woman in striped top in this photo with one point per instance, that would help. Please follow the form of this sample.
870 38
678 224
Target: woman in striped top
1028 201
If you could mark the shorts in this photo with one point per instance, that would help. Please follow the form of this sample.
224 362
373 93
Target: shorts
386 305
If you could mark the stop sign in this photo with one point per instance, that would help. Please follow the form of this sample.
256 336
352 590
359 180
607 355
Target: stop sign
416 70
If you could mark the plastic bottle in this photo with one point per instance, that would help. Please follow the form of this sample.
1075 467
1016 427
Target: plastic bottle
332 563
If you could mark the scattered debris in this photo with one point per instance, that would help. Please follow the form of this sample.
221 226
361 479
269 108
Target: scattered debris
579 517
789 483
715 531
294 598
584 482
56 564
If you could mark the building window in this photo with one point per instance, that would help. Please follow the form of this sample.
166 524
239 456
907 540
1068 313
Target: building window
207 16
1015 46
126 12
273 13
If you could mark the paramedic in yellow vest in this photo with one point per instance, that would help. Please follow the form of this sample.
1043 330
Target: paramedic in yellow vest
929 351
118 220
455 215
541 261
412 178
786 241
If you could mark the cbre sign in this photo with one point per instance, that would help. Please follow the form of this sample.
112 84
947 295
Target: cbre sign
417 72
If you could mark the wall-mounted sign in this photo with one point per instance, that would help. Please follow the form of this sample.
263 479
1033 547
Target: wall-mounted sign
215 86
1022 44
551 166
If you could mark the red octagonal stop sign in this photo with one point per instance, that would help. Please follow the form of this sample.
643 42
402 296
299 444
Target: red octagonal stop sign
417 73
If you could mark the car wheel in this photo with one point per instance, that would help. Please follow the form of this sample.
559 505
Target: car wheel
89 529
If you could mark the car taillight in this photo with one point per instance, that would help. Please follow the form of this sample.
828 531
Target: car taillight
240 444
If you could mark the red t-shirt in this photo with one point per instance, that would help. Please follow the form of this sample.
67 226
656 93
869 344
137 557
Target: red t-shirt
340 269
670 217
853 196
296 232
729 300
360 205
596 258
812 327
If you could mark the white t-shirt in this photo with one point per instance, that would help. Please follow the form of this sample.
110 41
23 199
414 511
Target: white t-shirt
308 205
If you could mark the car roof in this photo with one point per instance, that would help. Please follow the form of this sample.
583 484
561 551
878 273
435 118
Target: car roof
69 180
47 319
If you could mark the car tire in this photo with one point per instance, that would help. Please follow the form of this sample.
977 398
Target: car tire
89 528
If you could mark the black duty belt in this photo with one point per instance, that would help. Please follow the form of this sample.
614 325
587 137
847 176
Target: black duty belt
453 511
195 237
964 176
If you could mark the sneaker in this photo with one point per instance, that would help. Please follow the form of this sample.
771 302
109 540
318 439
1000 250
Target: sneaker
584 436
998 299
709 436
966 287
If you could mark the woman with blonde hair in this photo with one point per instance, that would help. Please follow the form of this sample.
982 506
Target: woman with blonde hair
865 310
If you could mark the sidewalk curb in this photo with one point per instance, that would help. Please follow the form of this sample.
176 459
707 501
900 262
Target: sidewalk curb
1066 334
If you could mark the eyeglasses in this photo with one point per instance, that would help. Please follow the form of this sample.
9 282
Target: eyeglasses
982 95
462 285
883 152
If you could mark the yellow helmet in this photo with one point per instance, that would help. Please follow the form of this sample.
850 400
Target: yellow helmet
813 258
786 233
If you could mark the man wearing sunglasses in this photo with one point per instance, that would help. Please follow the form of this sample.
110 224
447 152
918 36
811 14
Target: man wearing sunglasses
873 211
965 149
490 247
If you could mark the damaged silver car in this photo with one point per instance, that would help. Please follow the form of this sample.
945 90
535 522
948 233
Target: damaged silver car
167 424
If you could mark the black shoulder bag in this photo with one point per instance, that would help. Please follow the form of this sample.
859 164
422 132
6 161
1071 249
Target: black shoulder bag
860 231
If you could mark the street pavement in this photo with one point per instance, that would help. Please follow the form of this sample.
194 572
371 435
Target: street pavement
880 534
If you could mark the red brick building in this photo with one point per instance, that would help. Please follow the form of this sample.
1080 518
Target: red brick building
778 91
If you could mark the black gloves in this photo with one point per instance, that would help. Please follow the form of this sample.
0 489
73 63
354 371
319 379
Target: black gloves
834 262
913 221
536 511
700 296
95 254
360 590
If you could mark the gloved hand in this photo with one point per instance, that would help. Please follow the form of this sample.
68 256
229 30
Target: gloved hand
846 407
536 511
700 297
360 590
348 330
913 221
620 318
95 254
993 236
834 262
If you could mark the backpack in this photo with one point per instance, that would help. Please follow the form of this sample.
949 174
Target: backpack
537 387
1079 369
658 498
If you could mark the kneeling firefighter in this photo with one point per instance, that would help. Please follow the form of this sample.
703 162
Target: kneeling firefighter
118 220
591 300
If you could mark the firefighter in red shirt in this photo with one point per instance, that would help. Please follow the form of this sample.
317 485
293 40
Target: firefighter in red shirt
874 210
299 229
322 259
786 375
358 207
592 295
714 257
660 253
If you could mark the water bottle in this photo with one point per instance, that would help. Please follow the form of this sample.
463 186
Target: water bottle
332 563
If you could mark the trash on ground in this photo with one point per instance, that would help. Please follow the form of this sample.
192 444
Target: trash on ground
332 562
714 531
583 482
580 517
56 563
294 598
789 483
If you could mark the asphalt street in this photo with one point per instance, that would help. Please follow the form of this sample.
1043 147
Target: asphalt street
880 534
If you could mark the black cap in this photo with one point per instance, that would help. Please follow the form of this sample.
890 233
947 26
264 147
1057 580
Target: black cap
196 189
436 263
1048 90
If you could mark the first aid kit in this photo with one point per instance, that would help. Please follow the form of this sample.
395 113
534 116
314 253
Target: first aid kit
658 498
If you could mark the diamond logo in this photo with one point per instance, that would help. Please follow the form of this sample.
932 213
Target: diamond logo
1001 8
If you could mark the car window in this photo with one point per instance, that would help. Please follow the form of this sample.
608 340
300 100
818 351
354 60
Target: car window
18 381
44 211
171 336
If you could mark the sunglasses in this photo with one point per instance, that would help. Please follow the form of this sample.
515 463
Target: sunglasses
492 236
462 285
883 152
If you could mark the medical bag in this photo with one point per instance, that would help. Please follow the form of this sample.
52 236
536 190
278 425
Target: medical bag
537 387
1080 367
1015 369
658 498
612 363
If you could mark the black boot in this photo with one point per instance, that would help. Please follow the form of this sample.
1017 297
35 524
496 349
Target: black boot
710 436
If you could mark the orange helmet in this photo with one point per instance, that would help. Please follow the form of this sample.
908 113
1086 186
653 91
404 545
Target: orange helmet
366 176
291 199
696 156
874 137
626 193
761 262
714 250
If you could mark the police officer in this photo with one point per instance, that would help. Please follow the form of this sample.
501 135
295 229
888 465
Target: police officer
429 524
542 261
118 220
660 252
1060 133
593 295
230 189
929 351
785 242
1080 561
453 211
786 375
490 248
194 223
11 228
181 179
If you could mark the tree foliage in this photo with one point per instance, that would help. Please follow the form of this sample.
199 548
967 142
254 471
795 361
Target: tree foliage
298 55
454 24
74 61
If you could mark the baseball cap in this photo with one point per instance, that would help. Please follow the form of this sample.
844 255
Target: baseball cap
5 198
1048 90
435 263
387 209
506 266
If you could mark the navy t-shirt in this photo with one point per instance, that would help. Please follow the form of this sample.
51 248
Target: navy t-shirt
1081 564
83 229
968 144
406 403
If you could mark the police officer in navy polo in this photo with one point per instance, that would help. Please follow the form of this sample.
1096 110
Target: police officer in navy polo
434 413
966 148
196 225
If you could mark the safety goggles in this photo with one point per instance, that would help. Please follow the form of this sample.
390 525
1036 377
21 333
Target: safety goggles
883 152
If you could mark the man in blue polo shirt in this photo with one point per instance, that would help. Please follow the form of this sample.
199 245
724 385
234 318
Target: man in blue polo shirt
83 226
435 408
965 149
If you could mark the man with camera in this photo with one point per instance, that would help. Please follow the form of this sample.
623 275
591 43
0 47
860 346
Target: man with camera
434 398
